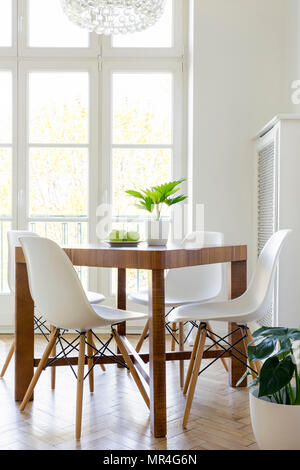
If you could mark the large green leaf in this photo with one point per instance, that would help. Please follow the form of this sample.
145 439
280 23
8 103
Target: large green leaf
275 375
267 331
262 350
285 347
135 194
175 200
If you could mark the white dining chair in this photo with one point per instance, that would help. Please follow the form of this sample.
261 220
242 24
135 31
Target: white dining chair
251 306
57 292
185 286
13 241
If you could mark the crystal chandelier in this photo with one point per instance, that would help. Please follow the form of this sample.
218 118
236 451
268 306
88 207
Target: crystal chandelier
114 16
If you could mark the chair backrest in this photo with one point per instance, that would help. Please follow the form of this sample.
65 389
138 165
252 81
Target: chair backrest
260 290
13 241
54 285
197 282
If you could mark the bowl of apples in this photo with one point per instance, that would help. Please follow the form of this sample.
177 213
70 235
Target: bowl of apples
121 238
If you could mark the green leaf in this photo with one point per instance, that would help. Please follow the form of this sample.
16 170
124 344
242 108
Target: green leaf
175 200
294 335
267 331
275 375
262 350
135 194
285 347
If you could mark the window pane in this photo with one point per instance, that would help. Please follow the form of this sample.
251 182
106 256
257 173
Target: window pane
4 227
133 169
58 107
159 35
142 108
5 107
6 23
5 182
58 182
63 233
50 27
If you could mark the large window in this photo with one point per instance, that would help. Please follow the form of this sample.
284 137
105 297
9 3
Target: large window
82 119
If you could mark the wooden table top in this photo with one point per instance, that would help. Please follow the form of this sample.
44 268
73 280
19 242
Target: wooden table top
145 257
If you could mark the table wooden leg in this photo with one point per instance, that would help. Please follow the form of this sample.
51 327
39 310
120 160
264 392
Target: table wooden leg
181 348
237 286
157 352
24 333
121 302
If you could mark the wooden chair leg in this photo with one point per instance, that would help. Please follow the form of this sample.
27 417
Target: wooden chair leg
132 369
252 365
142 337
102 366
39 369
173 342
218 347
195 372
192 360
181 348
53 368
8 359
257 364
90 361
80 381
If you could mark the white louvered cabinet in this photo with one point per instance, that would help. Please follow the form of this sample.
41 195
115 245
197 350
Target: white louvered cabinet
277 206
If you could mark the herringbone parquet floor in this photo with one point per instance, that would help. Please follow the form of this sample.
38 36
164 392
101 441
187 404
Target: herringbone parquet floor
115 417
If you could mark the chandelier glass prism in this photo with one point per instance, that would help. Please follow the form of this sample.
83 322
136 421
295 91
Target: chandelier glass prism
114 16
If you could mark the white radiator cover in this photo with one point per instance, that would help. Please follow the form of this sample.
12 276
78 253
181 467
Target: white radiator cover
277 206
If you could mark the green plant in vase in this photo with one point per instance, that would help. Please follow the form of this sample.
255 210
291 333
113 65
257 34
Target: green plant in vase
153 199
275 393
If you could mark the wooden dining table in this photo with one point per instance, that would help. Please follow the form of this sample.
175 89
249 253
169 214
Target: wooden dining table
151 366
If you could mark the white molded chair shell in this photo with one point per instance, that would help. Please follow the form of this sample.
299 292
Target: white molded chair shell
13 241
94 297
57 291
253 304
192 284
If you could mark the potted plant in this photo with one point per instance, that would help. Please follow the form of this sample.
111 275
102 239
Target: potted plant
153 200
275 400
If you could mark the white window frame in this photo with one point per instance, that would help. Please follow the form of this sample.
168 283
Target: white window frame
177 49
67 52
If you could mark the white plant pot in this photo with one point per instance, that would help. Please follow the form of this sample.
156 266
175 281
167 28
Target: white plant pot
275 427
157 232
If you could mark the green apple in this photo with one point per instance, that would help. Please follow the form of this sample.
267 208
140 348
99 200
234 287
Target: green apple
117 236
133 236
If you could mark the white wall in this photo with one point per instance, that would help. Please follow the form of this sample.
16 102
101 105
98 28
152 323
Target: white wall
238 61
292 51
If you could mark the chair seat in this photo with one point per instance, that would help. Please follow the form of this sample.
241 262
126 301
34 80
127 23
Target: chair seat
111 316
94 297
236 311
142 297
